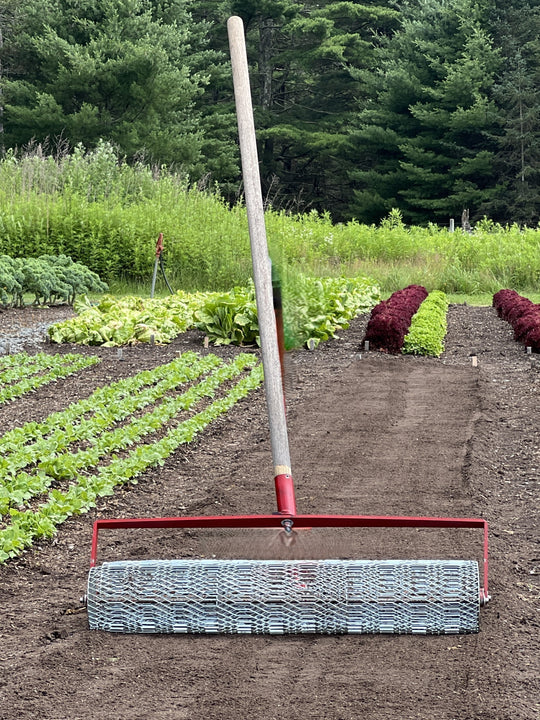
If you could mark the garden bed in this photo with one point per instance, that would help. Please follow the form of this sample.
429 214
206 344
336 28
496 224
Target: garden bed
370 433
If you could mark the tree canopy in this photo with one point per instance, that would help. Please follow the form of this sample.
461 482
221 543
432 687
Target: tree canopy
429 106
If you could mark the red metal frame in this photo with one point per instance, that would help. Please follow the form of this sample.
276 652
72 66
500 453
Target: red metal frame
299 522
286 516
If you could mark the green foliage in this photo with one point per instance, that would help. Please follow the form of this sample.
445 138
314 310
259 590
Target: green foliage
128 72
428 106
108 215
230 318
516 29
48 278
32 501
309 66
21 373
112 229
129 320
11 280
426 143
316 309
88 417
428 327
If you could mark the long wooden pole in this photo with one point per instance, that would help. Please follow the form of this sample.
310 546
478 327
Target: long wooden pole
262 273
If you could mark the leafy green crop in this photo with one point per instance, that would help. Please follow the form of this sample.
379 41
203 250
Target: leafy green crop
428 327
85 419
74 477
230 317
69 464
129 320
24 373
48 278
315 309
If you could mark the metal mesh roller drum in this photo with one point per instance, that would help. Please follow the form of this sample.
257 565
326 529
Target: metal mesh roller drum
285 596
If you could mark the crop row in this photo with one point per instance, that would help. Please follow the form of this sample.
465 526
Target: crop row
85 420
410 321
67 465
522 314
314 309
129 320
428 327
74 480
390 319
22 373
104 404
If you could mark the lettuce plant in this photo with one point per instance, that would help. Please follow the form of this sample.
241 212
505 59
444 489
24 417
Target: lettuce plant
390 319
428 327
522 314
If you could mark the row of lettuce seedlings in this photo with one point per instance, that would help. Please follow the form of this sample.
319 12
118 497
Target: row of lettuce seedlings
52 470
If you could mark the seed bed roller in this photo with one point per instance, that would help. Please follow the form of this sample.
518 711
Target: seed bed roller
327 596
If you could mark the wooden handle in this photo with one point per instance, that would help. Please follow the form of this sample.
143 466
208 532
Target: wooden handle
262 274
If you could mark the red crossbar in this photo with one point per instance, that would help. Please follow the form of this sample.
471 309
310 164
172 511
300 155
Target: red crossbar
299 522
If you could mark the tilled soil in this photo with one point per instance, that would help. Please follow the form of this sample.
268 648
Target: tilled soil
370 434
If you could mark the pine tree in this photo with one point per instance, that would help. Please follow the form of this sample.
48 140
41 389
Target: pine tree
122 70
516 28
425 139
308 61
220 162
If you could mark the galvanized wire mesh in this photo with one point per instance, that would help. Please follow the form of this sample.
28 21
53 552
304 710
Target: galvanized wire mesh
290 596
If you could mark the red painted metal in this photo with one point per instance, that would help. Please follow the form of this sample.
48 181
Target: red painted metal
286 501
159 245
299 522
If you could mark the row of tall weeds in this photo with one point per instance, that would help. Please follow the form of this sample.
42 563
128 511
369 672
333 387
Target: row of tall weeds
108 215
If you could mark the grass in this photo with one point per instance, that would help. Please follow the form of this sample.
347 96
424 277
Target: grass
486 299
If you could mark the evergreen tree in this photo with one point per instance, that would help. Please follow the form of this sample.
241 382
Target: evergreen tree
308 64
425 138
118 69
516 28
220 162
430 106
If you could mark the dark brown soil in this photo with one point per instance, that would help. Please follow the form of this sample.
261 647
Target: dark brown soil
369 433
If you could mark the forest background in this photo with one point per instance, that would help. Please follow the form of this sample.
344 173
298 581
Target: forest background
427 106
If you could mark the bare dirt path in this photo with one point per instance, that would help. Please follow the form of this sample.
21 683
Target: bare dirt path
370 434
